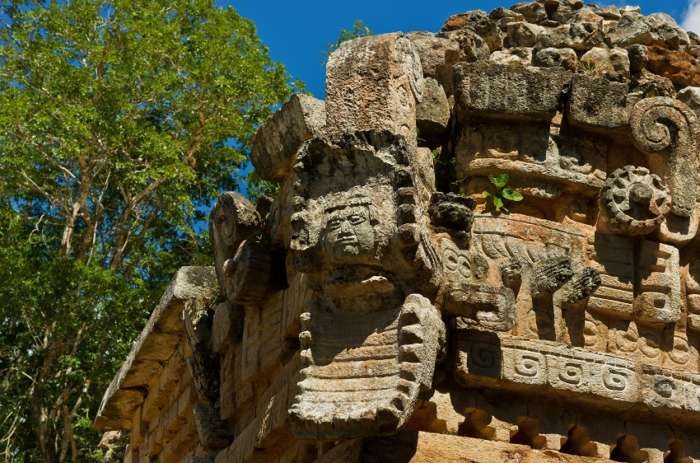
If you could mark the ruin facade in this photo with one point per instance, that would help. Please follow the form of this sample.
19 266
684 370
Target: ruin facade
483 249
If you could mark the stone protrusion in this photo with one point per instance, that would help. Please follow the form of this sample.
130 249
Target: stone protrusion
276 143
509 92
374 83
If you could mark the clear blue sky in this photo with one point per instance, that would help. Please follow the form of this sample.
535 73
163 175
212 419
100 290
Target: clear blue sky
297 32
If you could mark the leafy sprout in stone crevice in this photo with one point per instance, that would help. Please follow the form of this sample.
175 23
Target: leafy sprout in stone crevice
503 194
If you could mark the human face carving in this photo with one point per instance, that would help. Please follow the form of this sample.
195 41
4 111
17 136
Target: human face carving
348 232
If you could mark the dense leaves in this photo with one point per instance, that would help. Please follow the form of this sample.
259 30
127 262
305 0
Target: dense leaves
119 123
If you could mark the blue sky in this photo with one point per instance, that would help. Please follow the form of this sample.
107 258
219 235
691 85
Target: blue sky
297 32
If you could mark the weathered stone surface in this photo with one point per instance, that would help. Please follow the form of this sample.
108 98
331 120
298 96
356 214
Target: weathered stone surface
512 56
374 83
556 57
493 89
691 97
276 143
612 63
657 29
524 184
480 23
432 114
432 50
522 34
668 127
677 65
598 102
120 401
428 447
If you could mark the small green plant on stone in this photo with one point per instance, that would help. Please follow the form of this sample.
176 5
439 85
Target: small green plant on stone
503 193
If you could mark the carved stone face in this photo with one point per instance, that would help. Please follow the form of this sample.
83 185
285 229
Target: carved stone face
348 232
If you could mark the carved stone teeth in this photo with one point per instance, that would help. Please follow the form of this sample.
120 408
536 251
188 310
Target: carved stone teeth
409 317
305 339
409 371
409 352
409 234
407 213
412 334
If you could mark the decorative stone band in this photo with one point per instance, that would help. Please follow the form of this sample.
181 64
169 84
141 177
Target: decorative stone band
505 362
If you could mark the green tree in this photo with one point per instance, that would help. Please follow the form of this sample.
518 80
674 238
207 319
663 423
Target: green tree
359 29
119 123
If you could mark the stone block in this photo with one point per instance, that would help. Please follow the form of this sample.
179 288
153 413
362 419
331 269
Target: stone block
276 143
485 89
374 83
433 114
432 50
597 102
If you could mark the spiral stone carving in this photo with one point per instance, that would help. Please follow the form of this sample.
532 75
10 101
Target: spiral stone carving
668 127
636 200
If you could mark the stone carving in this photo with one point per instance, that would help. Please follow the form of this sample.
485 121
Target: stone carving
247 266
483 357
368 343
665 127
636 200
573 315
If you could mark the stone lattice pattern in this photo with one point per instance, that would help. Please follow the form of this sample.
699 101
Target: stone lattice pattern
378 308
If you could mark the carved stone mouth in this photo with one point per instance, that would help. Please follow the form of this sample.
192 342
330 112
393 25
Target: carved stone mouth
374 285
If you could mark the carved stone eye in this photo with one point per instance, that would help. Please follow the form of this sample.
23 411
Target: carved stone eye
334 223
356 219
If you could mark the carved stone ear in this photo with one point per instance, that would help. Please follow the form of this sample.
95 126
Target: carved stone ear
233 220
667 129
635 201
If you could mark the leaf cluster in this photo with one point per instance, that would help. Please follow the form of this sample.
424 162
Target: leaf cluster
502 193
120 122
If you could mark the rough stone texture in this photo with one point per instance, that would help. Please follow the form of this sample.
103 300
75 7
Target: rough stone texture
691 97
598 102
156 342
374 83
433 113
277 142
488 253
432 50
613 64
517 92
556 57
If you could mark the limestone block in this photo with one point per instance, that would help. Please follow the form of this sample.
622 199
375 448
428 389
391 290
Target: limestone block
659 301
556 57
374 83
433 113
523 34
691 97
598 102
512 56
480 23
276 143
432 50
158 342
372 388
613 63
656 29
427 447
507 92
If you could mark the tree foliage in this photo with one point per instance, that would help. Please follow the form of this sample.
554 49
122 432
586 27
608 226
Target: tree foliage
119 123
359 29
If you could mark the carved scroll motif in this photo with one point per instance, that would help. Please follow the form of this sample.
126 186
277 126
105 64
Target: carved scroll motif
667 127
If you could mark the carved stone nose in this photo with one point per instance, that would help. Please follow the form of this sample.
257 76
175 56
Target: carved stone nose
641 193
